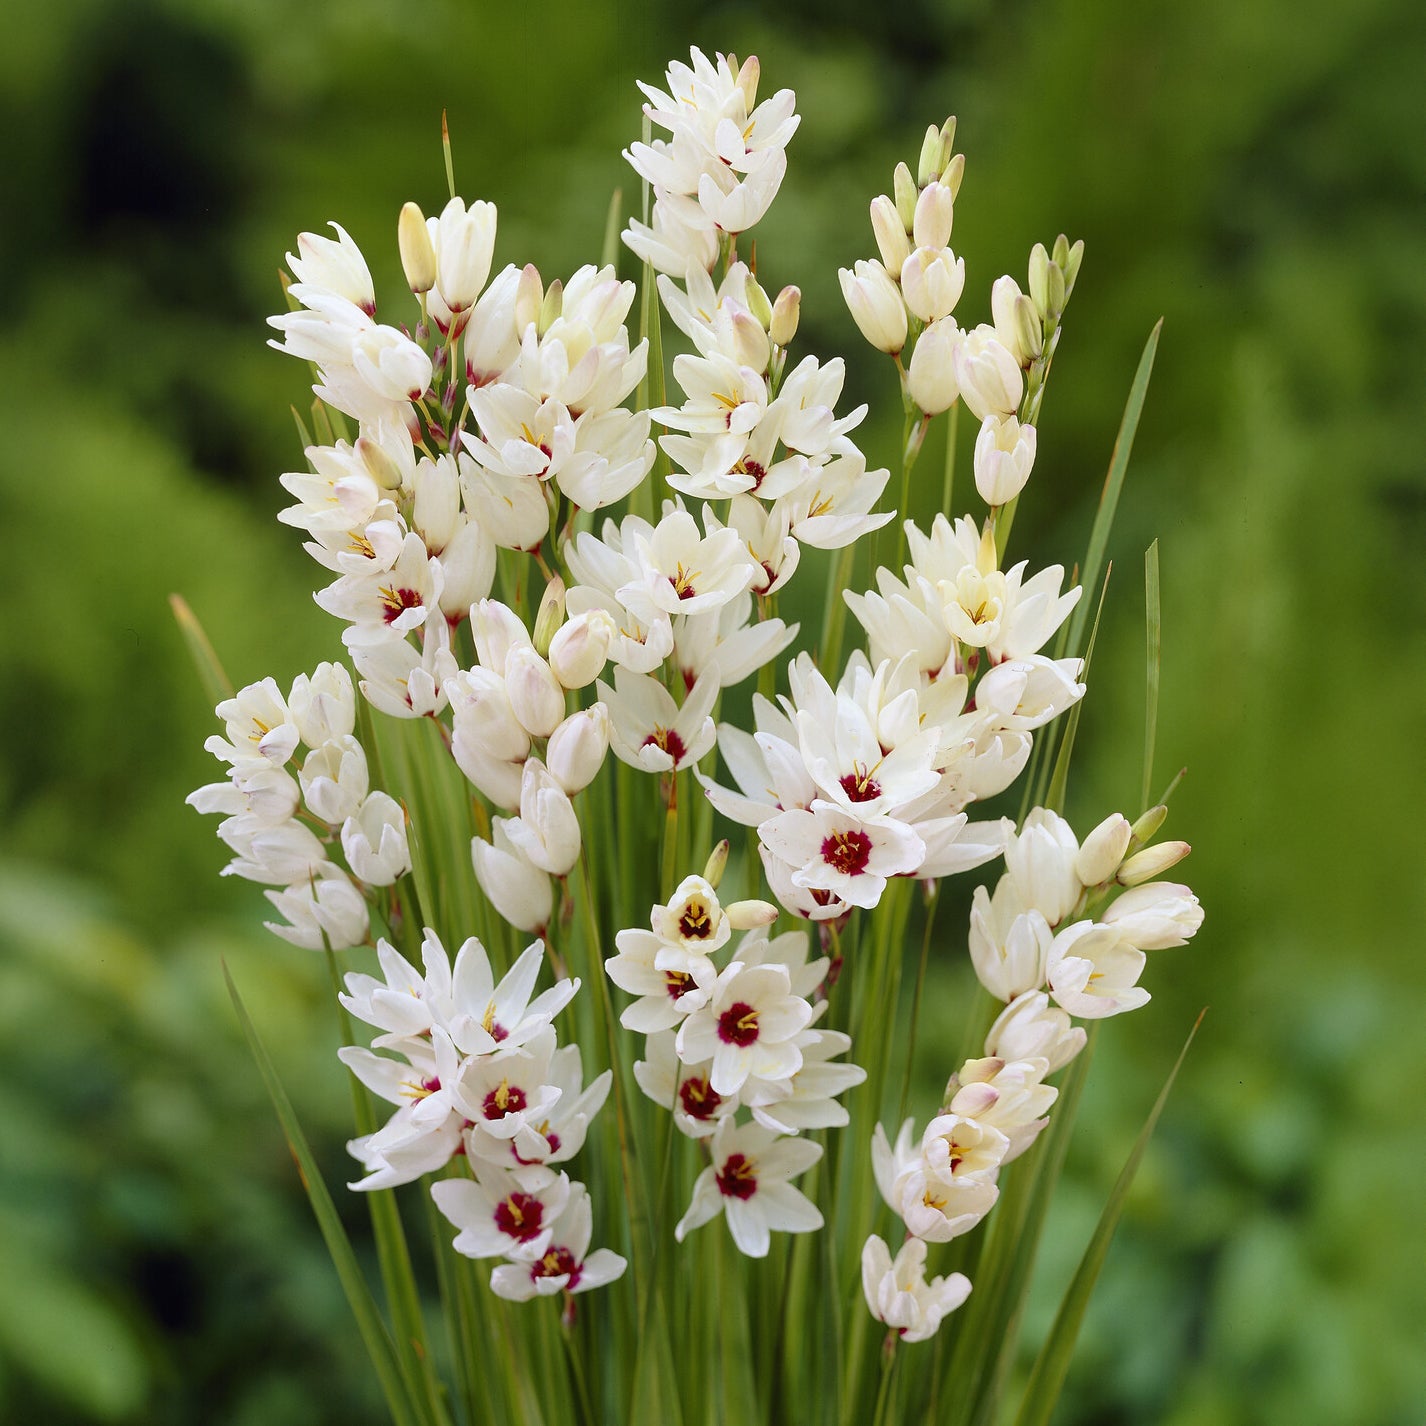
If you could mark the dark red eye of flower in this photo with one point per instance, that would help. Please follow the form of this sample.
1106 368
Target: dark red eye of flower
505 1098
520 1216
395 602
738 1024
860 785
738 1177
669 741
847 852
555 1263
678 983
699 1099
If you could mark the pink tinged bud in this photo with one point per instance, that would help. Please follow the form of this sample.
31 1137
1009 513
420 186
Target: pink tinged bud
535 694
935 210
745 915
418 257
890 233
1004 454
748 77
785 313
529 295
579 650
932 281
750 342
932 375
464 245
875 304
989 377
338 266
520 892
1151 862
1102 850
391 364
577 748
1156 916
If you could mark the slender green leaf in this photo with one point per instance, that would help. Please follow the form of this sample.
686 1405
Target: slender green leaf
1163 797
216 683
1153 628
405 1410
1055 796
1052 1365
609 257
446 154
1114 480
303 434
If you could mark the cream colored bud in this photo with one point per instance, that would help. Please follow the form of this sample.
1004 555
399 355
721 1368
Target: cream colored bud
744 915
953 173
785 312
1071 266
382 469
988 375
576 749
418 257
1103 849
935 212
876 305
519 891
748 77
932 281
948 136
1004 295
717 864
550 616
1029 334
1059 254
535 693
551 308
579 649
1004 456
931 378
933 157
750 342
890 233
464 244
904 187
1146 865
1040 279
529 295
759 304
1149 823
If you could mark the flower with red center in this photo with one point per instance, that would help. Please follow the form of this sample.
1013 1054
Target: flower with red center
847 852
564 1264
859 784
500 1216
747 1182
831 848
699 1099
507 1094
669 983
520 1216
648 730
749 1027
504 1099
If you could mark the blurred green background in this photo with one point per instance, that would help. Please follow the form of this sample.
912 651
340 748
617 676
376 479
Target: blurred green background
1252 171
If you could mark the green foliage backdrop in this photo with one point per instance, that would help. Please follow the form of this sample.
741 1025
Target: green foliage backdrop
1250 171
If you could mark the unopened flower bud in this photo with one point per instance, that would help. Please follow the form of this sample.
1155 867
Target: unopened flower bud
1146 865
435 512
933 157
580 647
519 891
468 563
785 312
954 171
550 616
875 304
948 136
529 294
759 303
418 257
904 187
576 749
1017 323
535 693
932 281
551 308
1102 850
935 212
892 241
464 243
1072 263
717 864
1156 916
1040 280
547 830
744 915
1149 823
382 469
748 77
374 841
1059 254
931 377
988 375
750 342
1004 454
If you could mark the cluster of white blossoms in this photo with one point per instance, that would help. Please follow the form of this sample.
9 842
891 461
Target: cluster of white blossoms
1032 942
473 1069
740 1036
285 830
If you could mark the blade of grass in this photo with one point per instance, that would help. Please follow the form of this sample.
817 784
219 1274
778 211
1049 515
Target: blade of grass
1052 1365
1055 794
1114 480
1153 628
216 683
609 256
403 1403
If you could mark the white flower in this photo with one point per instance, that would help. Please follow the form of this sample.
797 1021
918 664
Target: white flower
693 918
697 1107
374 841
1009 944
580 648
325 913
1040 859
932 280
839 852
931 377
667 995
1031 1028
683 571
323 706
483 1016
285 853
258 725
892 240
1156 915
875 303
256 790
747 1181
334 780
808 1099
649 731
336 266
748 1027
898 1294
575 751
934 1201
1102 851
400 597
566 1265
1004 453
507 1094
1094 971
547 830
397 677
519 891
498 1217
464 240
988 375
1006 1095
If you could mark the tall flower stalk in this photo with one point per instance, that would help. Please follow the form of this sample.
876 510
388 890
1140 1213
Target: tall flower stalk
627 1050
